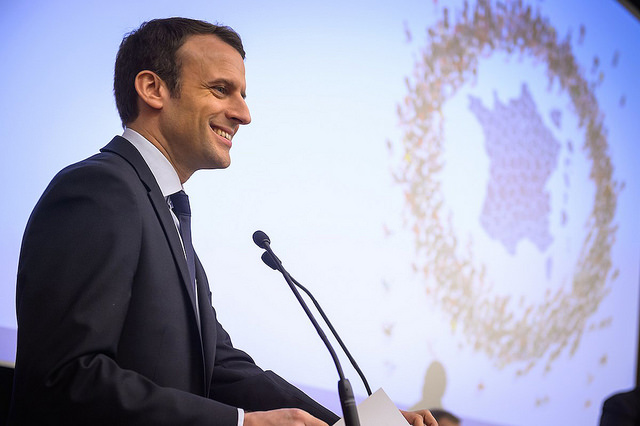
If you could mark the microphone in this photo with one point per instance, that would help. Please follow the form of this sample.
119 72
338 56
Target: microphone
268 260
261 239
347 400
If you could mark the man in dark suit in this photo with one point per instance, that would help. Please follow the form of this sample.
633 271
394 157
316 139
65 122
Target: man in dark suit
115 323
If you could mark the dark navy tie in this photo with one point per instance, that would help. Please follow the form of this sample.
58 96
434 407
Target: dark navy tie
182 210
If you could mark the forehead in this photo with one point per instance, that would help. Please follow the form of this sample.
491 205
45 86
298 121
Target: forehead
209 56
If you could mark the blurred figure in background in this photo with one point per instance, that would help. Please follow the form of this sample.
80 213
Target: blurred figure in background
620 409
445 418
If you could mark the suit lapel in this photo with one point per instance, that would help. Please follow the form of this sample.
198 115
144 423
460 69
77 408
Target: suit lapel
126 150
208 323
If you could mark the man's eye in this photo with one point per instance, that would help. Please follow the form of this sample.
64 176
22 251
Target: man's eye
220 89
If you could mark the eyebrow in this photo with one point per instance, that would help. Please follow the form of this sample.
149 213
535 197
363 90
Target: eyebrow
227 83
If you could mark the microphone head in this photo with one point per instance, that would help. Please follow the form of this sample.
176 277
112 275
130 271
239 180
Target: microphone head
261 239
268 260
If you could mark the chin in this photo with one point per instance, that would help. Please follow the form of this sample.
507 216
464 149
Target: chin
223 163
219 163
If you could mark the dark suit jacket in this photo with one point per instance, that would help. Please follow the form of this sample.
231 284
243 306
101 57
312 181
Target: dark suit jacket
107 329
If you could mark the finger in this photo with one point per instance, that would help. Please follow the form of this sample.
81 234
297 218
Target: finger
281 417
413 418
427 418
307 419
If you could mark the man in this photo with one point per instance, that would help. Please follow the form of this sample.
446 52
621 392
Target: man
115 324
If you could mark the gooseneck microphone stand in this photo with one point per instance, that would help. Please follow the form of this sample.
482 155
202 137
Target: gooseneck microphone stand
345 392
268 260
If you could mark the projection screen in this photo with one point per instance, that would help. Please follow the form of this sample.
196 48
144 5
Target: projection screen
456 182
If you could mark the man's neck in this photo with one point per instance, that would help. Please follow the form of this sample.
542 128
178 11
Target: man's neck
149 135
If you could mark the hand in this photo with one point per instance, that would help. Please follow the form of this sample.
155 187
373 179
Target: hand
282 417
419 418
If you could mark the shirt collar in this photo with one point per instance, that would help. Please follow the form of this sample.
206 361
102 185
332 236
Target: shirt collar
161 168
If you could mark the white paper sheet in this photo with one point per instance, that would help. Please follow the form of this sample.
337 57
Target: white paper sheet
378 410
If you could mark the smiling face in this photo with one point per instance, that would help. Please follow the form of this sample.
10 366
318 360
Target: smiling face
197 125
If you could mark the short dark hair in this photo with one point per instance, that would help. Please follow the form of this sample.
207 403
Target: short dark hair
440 414
153 47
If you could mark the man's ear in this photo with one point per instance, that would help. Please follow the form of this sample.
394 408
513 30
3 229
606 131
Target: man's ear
151 89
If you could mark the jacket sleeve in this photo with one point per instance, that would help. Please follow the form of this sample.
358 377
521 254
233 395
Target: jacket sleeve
238 381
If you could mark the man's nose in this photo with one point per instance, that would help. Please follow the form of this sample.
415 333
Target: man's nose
239 111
